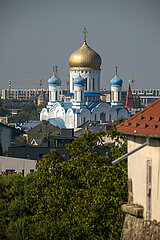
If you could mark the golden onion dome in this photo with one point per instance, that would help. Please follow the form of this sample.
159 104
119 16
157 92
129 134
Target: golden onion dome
84 58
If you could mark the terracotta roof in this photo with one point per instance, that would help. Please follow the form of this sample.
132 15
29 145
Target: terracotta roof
129 99
145 122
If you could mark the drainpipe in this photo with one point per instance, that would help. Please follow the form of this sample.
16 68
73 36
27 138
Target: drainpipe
131 152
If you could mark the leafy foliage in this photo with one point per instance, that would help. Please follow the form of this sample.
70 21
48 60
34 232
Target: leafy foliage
29 112
20 140
79 198
46 136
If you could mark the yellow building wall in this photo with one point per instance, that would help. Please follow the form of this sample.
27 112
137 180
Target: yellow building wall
137 171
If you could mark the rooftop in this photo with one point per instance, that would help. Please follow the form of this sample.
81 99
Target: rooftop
145 122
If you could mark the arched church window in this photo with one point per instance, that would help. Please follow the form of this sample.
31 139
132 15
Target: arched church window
103 117
95 118
84 120
93 84
73 83
110 117
56 96
81 95
118 96
86 84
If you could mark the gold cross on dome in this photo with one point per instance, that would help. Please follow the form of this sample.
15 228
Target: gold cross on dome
85 32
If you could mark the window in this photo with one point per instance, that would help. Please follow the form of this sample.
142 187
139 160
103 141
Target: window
103 117
31 170
95 118
81 95
56 95
93 84
118 96
86 84
73 83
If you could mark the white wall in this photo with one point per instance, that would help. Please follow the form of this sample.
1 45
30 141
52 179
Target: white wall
89 74
17 164
137 171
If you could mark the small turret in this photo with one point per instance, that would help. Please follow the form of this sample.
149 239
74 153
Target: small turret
116 87
54 83
79 88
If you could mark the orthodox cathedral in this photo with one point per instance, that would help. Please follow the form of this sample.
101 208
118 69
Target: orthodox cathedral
83 102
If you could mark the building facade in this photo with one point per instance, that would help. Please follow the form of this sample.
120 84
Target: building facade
147 96
23 94
143 130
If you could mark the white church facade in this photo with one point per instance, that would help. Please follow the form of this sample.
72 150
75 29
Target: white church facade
83 103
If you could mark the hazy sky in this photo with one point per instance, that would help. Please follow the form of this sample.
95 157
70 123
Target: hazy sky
37 34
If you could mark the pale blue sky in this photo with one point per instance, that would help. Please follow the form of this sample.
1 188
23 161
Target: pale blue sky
37 34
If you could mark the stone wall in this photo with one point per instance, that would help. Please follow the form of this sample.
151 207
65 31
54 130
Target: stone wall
135 228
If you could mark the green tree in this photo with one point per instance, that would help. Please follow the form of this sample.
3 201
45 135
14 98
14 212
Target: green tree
81 198
20 140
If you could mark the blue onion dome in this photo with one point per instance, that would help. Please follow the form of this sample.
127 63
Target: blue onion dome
116 81
54 81
79 81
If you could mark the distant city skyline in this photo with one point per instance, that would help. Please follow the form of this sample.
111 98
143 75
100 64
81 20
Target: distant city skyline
35 35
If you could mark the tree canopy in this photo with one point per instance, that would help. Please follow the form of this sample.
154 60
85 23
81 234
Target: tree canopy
79 198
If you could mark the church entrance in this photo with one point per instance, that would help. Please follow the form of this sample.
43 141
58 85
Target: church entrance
102 117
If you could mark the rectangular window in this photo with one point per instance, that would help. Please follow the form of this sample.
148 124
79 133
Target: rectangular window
86 84
73 83
81 96
118 96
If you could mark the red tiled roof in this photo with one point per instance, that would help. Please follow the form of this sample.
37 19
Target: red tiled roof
145 122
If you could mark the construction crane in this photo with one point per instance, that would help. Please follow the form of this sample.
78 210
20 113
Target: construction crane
32 81
132 81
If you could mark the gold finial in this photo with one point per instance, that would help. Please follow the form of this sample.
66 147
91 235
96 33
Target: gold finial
85 32
116 70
